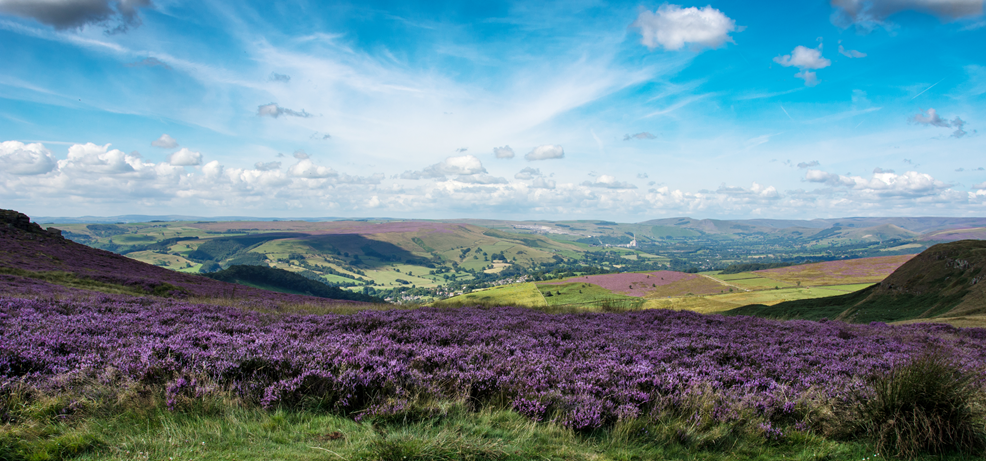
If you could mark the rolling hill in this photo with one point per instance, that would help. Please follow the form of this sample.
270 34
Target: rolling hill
943 283
39 261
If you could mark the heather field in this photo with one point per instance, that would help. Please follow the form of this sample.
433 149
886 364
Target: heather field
729 383
866 270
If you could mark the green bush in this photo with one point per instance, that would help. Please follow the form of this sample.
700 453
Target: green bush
928 406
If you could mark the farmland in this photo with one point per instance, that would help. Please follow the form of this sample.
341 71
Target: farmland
705 292
420 261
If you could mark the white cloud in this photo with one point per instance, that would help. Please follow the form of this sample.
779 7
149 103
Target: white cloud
269 166
756 191
883 183
273 110
981 185
91 158
461 165
165 142
300 155
851 53
672 26
868 14
305 168
545 152
26 159
528 173
805 59
543 183
481 178
608 182
185 157
503 152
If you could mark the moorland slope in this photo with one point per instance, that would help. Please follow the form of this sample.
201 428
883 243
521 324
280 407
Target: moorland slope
942 283
29 254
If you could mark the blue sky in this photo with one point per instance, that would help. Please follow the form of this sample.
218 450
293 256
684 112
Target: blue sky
520 110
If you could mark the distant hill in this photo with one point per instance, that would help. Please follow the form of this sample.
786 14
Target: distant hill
35 257
944 281
269 278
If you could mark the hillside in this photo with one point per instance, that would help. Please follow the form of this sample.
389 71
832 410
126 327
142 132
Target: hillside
280 280
33 259
943 282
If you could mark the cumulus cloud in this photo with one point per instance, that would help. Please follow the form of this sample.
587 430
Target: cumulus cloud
300 155
305 168
165 142
882 183
810 164
545 152
805 59
482 178
756 190
95 159
869 14
276 77
503 152
528 173
185 157
149 62
851 53
672 26
542 183
76 14
608 182
642 135
269 166
931 118
464 165
26 159
981 185
273 110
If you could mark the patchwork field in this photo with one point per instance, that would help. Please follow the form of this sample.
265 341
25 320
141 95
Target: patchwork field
707 292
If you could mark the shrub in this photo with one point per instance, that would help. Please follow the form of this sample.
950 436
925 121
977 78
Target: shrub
929 405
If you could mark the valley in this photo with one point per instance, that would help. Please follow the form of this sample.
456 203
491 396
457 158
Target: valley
424 261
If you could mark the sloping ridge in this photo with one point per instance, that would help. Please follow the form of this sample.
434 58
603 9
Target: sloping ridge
945 280
280 280
28 250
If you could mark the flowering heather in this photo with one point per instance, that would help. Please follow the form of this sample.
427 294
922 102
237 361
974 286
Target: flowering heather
640 284
864 270
584 370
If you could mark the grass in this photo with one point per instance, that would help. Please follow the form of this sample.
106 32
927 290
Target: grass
930 405
136 424
517 294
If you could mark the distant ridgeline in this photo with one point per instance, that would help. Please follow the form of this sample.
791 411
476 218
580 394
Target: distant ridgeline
944 281
269 278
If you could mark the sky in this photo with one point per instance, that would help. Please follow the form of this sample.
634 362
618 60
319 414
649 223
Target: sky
623 111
